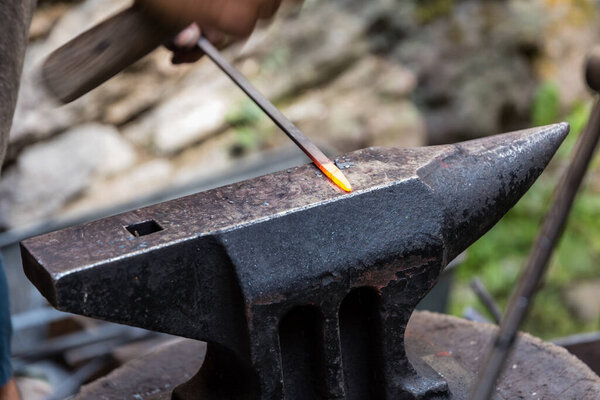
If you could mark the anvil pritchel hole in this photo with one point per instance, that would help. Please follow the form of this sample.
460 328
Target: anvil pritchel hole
144 228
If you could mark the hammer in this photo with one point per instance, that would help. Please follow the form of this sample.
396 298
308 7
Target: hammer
103 51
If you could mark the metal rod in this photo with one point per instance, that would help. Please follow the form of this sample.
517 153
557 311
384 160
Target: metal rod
309 148
486 299
63 343
37 317
79 377
547 239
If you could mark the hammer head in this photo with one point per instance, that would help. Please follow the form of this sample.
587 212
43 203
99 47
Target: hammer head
285 260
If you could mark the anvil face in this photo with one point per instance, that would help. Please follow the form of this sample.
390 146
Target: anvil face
229 266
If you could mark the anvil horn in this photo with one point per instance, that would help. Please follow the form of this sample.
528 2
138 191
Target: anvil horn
480 180
247 266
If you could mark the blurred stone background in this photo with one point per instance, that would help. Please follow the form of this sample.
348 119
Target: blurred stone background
350 74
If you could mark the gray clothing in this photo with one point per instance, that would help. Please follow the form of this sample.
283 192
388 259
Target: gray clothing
15 17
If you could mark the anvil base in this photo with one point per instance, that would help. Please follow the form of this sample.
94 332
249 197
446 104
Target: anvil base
452 346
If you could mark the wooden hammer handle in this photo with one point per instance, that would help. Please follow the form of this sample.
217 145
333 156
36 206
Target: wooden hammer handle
101 52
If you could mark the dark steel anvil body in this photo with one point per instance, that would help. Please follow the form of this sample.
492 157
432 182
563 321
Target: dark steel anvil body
300 290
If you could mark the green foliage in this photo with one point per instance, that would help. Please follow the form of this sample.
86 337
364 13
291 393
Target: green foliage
546 104
246 138
577 118
499 256
245 120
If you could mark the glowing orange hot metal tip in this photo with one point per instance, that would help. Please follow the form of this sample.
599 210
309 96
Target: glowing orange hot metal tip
321 161
336 176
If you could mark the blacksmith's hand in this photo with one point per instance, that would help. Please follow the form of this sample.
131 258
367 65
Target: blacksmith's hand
215 19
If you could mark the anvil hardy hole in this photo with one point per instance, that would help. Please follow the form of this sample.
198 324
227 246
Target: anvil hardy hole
144 228
360 335
301 342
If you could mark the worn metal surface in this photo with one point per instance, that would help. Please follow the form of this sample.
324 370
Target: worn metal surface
300 290
452 346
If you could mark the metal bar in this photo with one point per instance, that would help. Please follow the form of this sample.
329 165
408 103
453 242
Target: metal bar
79 377
37 317
309 148
486 299
60 344
584 346
591 337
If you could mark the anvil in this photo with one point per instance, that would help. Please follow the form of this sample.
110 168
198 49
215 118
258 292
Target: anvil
300 290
